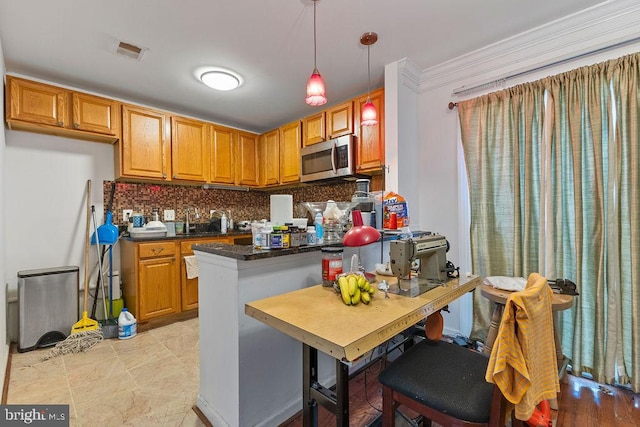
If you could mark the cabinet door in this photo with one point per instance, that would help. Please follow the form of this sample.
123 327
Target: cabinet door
340 120
95 114
144 148
222 154
189 287
189 149
313 129
37 103
290 152
370 141
247 159
269 156
158 287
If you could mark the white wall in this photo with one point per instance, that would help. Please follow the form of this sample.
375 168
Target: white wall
4 342
442 194
45 204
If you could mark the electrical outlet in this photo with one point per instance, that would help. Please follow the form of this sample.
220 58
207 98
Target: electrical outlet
126 214
169 215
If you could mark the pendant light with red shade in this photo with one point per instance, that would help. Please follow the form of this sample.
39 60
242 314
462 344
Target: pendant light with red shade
369 113
315 85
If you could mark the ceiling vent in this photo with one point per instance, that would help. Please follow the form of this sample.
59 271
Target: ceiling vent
130 50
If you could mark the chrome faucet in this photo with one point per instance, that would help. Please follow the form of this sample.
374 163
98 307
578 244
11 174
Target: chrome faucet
187 221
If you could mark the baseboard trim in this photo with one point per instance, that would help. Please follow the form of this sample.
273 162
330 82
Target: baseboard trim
7 372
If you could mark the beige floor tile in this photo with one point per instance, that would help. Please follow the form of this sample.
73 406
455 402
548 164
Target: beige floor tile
191 362
99 352
89 393
120 409
156 369
94 372
53 368
19 360
187 419
149 380
139 350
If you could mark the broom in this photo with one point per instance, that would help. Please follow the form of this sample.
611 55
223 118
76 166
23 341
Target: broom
86 332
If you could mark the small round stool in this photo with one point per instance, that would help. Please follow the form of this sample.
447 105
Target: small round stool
558 303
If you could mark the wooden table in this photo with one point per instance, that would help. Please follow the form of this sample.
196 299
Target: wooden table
317 317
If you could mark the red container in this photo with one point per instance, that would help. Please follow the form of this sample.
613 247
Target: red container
331 265
393 221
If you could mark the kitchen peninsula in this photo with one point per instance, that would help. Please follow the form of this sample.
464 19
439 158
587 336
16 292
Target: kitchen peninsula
250 373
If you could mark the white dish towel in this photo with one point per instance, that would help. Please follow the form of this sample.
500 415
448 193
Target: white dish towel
192 266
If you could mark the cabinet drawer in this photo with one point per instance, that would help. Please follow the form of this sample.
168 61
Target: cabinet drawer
156 249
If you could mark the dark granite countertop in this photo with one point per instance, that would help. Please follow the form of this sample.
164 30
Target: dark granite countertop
249 253
192 235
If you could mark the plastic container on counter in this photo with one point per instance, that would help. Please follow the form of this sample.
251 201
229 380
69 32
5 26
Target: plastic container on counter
311 235
331 265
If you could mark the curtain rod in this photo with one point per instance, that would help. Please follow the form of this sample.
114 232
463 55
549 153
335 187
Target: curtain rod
493 83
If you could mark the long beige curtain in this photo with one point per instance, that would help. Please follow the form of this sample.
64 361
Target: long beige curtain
502 139
554 187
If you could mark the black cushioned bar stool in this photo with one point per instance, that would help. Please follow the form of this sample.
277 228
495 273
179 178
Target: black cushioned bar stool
443 382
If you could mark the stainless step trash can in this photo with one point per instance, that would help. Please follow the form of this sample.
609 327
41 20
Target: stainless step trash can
47 306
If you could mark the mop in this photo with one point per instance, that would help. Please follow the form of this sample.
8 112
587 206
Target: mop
106 234
86 332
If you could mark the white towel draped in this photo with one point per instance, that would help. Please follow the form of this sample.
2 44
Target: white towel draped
192 266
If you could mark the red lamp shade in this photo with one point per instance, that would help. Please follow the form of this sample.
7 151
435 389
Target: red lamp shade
369 114
315 90
359 234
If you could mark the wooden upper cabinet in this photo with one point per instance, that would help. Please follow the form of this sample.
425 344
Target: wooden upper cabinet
247 159
144 148
189 149
269 158
340 120
221 159
370 139
313 129
37 102
290 136
39 107
95 114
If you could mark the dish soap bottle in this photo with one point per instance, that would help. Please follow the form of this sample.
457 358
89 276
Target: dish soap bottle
223 223
319 229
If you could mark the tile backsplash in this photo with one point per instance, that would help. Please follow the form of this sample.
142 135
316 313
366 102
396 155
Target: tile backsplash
244 205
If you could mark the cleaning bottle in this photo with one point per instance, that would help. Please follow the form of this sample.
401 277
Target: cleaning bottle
127 325
319 228
223 223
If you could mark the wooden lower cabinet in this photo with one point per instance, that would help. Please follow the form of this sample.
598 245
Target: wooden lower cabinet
150 274
158 293
155 275
189 287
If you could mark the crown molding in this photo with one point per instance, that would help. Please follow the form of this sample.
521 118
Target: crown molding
593 29
410 74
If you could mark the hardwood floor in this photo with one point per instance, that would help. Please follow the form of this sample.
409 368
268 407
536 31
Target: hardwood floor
583 403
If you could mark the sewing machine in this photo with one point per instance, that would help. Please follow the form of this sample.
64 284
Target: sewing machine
427 254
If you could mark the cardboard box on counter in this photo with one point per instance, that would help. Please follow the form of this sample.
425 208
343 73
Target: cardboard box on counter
393 202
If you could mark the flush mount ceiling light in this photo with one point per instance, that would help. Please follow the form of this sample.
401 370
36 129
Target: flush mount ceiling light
219 78
369 113
315 85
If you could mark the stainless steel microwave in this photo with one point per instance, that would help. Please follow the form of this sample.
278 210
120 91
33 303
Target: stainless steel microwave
328 159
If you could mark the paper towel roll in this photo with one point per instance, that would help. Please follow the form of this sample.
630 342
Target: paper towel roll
281 209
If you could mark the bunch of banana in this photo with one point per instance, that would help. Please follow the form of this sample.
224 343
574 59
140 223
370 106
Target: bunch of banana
355 288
